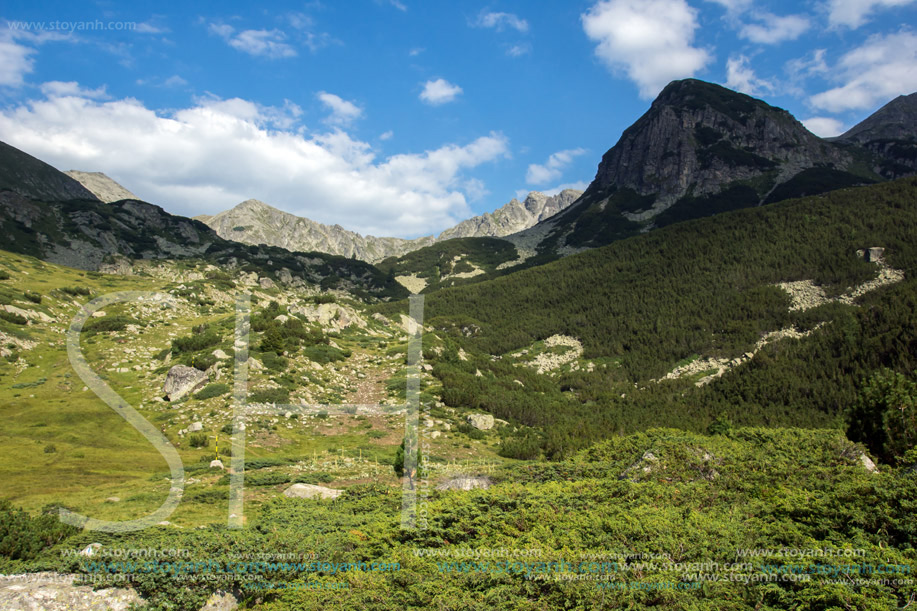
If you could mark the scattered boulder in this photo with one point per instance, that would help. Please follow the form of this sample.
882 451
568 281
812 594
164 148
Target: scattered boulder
482 422
874 254
867 462
281 318
182 380
216 464
220 355
285 276
195 427
311 491
220 601
266 283
249 279
465 482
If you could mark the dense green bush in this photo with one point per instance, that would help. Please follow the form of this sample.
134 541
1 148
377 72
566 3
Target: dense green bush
195 342
23 537
326 354
212 390
16 319
33 297
198 440
106 324
269 395
77 290
885 415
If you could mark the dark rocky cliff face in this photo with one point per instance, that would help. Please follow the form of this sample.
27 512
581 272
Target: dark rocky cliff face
891 134
699 150
698 137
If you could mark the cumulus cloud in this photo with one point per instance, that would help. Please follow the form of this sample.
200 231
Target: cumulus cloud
216 153
885 66
260 43
772 29
650 40
826 127
15 61
386 135
439 92
501 21
741 77
854 13
72 88
342 111
553 168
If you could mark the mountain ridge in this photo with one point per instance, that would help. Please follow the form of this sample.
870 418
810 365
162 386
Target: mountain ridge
255 222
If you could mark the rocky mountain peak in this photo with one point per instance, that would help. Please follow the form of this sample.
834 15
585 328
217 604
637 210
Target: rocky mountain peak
698 137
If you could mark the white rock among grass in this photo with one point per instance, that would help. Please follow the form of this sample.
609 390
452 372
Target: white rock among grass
182 380
311 491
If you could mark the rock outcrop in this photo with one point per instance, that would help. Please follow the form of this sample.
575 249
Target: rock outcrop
482 422
100 185
182 380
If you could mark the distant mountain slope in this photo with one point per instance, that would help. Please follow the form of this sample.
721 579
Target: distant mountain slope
890 133
86 233
699 150
30 177
103 187
254 222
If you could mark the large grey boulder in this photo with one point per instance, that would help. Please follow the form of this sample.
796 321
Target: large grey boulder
182 380
482 422
311 491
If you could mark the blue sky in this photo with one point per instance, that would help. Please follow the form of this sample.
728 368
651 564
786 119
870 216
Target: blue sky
401 117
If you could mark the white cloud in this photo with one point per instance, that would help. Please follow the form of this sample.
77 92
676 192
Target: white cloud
650 40
854 13
439 92
59 89
15 61
773 28
741 77
217 153
733 6
416 51
885 66
260 43
386 135
825 127
518 50
175 81
579 185
552 169
342 111
808 66
475 189
501 21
